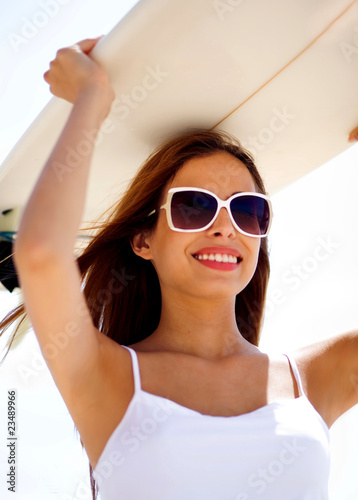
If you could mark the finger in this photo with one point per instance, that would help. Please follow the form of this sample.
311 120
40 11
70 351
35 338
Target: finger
87 45
353 136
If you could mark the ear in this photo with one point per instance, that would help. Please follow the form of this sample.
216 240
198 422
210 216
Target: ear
141 247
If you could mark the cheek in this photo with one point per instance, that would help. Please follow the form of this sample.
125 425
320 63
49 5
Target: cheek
170 256
252 256
164 252
169 267
252 247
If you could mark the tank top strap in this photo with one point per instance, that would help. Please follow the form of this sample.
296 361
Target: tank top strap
135 367
296 374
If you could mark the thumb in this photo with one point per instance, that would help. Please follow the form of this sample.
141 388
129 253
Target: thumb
88 44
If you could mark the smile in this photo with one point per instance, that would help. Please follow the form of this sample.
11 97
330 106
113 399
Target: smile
219 257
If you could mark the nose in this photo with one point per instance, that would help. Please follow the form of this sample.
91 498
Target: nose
222 226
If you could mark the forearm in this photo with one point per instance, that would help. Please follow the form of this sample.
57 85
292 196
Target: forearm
51 218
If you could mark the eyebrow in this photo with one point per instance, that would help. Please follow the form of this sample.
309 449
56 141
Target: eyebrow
238 192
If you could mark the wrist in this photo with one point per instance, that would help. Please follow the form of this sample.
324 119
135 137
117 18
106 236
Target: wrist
98 96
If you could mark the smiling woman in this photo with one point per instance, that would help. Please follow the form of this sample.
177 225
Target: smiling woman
161 314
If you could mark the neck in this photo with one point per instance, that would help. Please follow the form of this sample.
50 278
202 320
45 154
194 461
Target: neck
204 328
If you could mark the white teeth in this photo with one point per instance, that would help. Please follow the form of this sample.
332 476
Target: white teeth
218 257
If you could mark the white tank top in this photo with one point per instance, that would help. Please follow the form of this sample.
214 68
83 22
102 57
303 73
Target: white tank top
164 451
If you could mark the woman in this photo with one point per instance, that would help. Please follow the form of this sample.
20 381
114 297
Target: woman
160 367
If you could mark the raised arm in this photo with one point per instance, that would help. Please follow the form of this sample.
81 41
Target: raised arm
50 222
44 255
329 368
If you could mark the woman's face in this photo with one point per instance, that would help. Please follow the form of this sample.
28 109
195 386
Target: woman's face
176 256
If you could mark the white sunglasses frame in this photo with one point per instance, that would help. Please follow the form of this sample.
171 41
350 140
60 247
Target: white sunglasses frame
221 203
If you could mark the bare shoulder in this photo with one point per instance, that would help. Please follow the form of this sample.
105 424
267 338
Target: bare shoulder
102 404
329 372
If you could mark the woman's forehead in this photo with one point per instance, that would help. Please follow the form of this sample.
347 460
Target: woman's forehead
220 173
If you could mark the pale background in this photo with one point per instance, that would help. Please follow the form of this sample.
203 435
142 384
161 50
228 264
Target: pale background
320 210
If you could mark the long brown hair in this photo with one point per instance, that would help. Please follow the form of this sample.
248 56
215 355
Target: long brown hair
121 289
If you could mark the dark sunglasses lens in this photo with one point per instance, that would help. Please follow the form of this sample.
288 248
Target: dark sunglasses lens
192 209
251 213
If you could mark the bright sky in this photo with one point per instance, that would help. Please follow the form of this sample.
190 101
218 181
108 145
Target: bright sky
312 292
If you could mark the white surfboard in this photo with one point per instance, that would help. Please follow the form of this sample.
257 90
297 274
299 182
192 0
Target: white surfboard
281 75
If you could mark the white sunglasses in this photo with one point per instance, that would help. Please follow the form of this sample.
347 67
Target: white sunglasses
191 209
